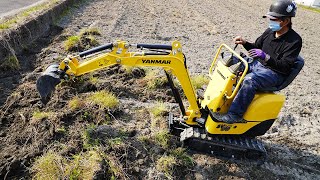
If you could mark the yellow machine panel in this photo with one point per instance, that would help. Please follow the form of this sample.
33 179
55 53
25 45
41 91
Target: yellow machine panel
221 84
264 106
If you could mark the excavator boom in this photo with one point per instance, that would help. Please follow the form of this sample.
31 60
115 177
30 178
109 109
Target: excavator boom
169 57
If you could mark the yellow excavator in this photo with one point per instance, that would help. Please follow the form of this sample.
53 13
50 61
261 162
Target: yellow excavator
197 126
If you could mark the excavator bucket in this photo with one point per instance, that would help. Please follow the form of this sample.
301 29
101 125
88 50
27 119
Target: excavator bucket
47 82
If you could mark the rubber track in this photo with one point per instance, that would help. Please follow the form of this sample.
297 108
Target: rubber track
226 146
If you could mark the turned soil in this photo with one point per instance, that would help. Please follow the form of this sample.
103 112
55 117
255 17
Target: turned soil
293 143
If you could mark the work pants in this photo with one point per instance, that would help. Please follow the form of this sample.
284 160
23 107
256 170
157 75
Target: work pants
258 77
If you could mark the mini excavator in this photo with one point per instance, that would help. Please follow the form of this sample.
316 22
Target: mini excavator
197 126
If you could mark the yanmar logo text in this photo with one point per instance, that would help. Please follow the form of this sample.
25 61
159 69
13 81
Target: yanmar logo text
147 61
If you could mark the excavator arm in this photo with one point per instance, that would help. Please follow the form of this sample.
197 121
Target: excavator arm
169 57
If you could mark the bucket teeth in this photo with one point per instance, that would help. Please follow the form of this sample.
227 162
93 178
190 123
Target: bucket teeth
47 82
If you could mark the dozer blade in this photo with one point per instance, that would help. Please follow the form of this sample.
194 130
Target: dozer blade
47 82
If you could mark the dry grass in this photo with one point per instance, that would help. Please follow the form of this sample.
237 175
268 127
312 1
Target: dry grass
76 103
84 40
71 43
159 109
154 80
49 166
10 63
84 165
166 165
162 138
199 80
37 116
54 166
90 31
104 99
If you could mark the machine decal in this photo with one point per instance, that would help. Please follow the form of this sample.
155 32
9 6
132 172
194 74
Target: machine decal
156 61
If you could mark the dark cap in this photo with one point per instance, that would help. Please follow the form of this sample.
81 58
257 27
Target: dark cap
281 8
270 17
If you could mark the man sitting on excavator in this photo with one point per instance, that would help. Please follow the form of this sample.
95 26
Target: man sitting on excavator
276 50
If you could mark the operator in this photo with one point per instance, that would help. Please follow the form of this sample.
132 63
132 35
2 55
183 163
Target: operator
274 54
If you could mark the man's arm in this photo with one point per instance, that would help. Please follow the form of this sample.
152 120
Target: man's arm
286 61
258 43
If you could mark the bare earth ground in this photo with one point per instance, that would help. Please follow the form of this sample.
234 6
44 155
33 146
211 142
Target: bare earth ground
293 143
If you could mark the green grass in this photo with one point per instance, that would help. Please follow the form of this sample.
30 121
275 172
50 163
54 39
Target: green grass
53 166
162 138
84 40
91 40
159 109
71 43
84 165
154 80
10 63
90 31
49 166
94 80
76 103
24 14
88 139
166 165
182 157
38 116
104 99
7 24
61 130
314 9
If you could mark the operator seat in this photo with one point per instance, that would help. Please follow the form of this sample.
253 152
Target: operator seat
298 64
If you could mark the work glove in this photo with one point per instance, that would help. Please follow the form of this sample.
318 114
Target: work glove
260 55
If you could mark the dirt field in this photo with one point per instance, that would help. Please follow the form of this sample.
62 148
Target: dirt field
293 143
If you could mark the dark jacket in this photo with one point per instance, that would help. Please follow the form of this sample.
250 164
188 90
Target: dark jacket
283 50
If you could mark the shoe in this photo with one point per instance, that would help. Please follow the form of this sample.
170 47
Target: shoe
217 115
231 118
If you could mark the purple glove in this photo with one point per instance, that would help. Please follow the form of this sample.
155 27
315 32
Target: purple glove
259 54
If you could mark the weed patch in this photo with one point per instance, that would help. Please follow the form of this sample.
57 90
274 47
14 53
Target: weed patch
10 63
72 43
54 166
159 109
49 166
76 103
90 31
104 99
166 165
162 138
89 140
84 40
38 116
154 80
